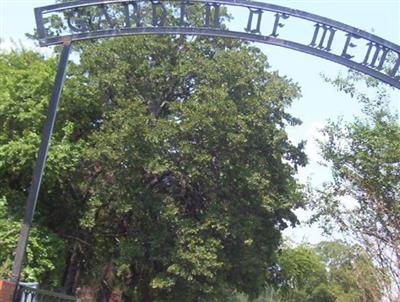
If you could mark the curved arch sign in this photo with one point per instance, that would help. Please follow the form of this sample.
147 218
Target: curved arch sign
254 21
262 22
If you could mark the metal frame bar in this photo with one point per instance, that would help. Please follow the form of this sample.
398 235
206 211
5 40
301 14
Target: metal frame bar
386 77
40 163
239 35
242 3
26 293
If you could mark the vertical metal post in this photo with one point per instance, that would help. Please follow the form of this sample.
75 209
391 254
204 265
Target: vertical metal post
40 164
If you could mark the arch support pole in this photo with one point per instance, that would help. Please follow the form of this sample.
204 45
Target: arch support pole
40 164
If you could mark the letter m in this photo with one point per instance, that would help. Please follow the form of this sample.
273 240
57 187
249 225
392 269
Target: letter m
380 53
326 31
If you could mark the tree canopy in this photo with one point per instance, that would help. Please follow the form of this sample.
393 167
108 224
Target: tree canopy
330 271
170 173
171 177
363 199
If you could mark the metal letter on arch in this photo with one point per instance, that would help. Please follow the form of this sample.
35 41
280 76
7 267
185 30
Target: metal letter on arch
93 19
125 17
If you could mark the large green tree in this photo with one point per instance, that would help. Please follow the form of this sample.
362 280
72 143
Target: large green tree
331 271
196 168
170 174
25 83
352 274
301 272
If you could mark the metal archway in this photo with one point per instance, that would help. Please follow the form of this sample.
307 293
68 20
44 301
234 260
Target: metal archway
93 19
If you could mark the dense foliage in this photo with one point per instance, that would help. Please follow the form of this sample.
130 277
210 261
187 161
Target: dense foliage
25 81
170 172
327 272
170 177
364 155
45 254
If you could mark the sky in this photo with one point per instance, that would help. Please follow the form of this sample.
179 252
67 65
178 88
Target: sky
319 102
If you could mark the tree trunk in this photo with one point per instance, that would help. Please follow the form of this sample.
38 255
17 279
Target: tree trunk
71 276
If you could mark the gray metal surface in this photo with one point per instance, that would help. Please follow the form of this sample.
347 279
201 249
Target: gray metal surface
375 61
